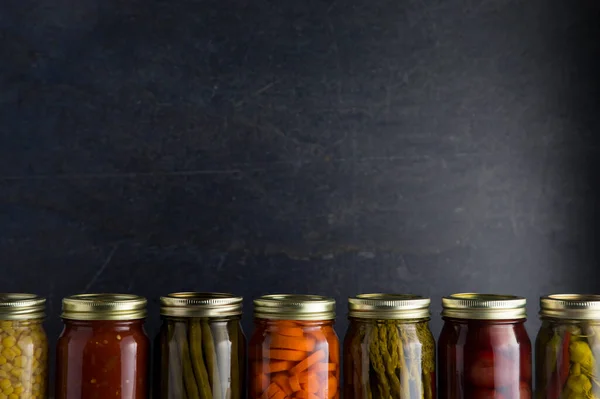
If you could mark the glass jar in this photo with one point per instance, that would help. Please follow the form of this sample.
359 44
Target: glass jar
294 351
23 347
202 347
484 350
568 347
389 351
103 350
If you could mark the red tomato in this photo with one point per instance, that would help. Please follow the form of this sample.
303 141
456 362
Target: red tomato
483 393
492 370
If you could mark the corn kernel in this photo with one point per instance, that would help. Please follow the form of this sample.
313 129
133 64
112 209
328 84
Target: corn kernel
8 354
17 372
8 390
9 342
2 360
5 383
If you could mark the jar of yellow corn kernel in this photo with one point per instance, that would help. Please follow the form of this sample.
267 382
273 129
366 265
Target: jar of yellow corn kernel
23 347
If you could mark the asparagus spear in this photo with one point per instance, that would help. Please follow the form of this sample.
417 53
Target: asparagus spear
210 356
196 362
186 364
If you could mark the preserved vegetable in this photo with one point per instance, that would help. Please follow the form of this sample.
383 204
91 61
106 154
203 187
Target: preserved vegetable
568 346
23 347
389 351
484 350
202 347
294 351
103 351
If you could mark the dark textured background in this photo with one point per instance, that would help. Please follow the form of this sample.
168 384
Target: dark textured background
330 147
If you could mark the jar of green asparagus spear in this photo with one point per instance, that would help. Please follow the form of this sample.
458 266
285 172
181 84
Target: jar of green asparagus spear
202 349
389 351
568 347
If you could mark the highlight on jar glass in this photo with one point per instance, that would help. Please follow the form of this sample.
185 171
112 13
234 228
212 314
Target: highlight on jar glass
103 350
483 349
202 347
389 351
23 347
568 347
294 351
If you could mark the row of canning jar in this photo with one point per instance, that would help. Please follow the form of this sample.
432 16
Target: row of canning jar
389 351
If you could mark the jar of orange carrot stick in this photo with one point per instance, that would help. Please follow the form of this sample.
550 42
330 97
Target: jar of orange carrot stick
294 351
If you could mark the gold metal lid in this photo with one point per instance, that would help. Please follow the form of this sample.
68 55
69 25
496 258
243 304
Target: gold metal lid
389 306
484 306
15 306
200 304
104 307
570 306
294 307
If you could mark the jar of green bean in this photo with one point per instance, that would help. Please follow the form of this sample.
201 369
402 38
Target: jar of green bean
202 349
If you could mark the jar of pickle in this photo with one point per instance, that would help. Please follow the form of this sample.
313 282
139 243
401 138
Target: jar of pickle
389 351
568 347
23 347
484 350
294 351
103 350
202 347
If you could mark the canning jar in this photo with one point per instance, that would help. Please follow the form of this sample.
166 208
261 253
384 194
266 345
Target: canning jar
568 347
103 351
484 350
294 351
389 351
202 347
23 347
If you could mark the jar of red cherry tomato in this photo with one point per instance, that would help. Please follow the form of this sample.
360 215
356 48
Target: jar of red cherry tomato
484 350
294 351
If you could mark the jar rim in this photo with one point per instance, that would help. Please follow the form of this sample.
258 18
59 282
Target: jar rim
482 306
201 304
104 306
294 307
570 306
389 306
22 306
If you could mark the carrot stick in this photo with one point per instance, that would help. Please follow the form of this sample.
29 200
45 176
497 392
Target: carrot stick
290 331
286 354
279 395
295 343
275 366
270 391
309 361
309 382
306 395
322 367
283 381
332 387
294 383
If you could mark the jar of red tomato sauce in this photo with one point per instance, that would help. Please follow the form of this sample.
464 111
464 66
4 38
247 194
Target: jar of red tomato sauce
294 351
484 350
103 351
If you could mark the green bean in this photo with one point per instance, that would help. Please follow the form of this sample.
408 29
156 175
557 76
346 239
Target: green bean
197 359
210 355
188 373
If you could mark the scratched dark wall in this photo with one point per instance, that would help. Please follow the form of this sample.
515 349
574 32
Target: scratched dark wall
329 147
